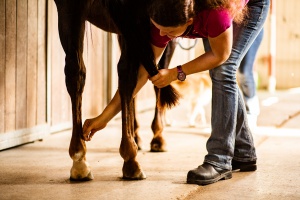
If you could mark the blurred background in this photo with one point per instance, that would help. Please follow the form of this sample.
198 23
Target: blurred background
33 98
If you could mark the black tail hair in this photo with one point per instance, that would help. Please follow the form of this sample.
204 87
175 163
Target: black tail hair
133 23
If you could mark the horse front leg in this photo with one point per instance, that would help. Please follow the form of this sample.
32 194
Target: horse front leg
71 32
128 148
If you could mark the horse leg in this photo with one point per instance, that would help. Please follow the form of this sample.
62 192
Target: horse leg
71 31
136 126
158 143
128 148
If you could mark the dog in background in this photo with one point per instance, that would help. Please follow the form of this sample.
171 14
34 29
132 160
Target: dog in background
196 91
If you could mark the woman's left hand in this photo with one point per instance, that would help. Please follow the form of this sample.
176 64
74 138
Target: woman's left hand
164 77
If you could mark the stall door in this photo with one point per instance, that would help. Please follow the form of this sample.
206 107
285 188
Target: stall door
22 72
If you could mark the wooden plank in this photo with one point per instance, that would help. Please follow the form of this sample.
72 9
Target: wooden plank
41 67
2 64
55 64
32 64
99 80
10 66
21 107
60 100
93 58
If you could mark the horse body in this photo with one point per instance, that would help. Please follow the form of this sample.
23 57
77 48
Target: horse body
128 19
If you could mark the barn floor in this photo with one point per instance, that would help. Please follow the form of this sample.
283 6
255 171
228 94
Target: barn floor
40 170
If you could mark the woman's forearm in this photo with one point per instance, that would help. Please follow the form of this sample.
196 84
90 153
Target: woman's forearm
112 109
220 51
114 106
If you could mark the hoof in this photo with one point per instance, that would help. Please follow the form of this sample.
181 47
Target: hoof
81 171
158 145
89 177
133 171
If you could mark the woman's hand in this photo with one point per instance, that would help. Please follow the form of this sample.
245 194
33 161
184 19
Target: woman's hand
91 126
164 77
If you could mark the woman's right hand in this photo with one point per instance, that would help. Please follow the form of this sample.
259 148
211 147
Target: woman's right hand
91 126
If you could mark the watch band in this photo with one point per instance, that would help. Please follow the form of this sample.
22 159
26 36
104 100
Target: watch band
179 68
180 74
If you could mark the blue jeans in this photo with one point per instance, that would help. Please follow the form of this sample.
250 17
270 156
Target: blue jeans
246 77
231 137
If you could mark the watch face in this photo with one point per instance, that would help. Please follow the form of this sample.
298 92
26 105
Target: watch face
181 76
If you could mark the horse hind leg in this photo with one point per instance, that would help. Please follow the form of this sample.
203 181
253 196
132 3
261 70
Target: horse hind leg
71 31
136 125
158 143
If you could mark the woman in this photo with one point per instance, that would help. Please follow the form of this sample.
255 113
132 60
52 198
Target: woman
230 146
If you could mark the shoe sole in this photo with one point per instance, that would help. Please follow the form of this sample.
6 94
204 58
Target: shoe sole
225 176
247 168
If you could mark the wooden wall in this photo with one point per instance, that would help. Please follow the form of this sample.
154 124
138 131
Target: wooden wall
22 68
287 58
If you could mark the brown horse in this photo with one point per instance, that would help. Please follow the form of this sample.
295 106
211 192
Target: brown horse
127 18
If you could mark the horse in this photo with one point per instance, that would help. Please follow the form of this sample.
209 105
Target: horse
128 19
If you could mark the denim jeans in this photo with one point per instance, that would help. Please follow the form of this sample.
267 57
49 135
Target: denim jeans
246 77
231 137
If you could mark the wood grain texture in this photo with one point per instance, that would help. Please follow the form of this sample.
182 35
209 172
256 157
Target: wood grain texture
21 79
2 65
32 64
10 65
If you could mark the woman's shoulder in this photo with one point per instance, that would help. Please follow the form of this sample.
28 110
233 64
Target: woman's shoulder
215 21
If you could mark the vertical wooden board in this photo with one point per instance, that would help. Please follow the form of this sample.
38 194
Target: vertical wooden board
60 100
2 64
32 64
10 66
98 78
21 106
288 44
93 58
55 63
41 66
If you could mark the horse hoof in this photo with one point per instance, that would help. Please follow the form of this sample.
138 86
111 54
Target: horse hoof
158 145
139 176
89 177
132 171
81 171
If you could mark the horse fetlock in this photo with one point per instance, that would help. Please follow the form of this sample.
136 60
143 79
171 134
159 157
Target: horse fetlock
132 170
81 171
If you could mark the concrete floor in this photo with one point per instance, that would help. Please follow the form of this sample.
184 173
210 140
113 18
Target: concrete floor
40 170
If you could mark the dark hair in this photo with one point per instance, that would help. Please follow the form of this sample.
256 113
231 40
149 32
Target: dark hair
172 13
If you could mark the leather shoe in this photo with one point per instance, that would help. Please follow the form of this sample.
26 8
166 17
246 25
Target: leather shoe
244 166
206 174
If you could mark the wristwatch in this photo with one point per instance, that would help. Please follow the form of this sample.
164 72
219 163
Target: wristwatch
180 74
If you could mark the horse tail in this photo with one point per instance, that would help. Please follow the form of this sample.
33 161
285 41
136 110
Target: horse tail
135 33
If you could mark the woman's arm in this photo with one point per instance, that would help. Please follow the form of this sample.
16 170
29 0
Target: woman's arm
91 126
220 51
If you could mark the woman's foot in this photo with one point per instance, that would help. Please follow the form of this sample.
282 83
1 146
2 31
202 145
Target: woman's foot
206 174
